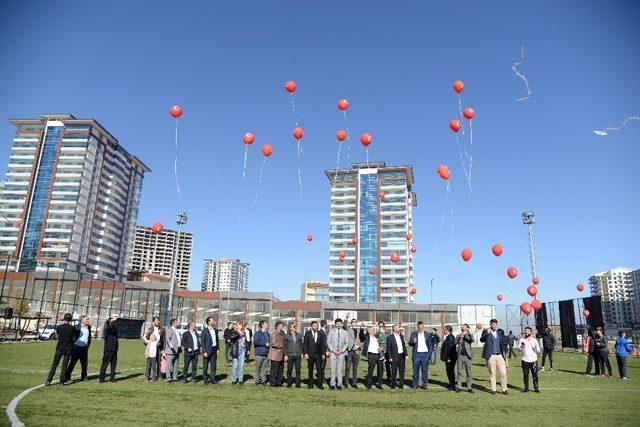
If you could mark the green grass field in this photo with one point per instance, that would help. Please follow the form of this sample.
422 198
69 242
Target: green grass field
567 397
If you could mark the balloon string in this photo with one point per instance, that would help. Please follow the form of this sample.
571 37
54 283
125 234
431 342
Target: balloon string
367 150
346 127
293 109
175 163
460 111
607 130
255 199
335 177
514 67
464 168
299 168
244 164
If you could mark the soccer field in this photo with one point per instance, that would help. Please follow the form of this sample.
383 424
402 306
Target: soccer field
567 397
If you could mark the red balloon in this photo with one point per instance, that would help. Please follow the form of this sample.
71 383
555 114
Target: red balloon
298 133
499 297
267 149
532 290
157 228
398 288
526 308
413 291
343 254
458 85
444 172
497 249
468 113
586 313
580 287
395 257
341 135
408 236
535 280
309 237
512 272
466 254
413 249
366 139
536 304
248 138
176 111
354 240
455 125
478 326
18 225
381 195
290 86
372 271
343 104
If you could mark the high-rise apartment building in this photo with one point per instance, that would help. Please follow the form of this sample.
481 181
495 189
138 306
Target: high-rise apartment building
616 287
226 274
70 198
371 216
314 291
155 253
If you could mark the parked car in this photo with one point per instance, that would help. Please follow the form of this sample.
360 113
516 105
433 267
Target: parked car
48 332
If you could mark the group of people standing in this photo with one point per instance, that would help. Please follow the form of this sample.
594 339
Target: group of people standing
596 347
342 346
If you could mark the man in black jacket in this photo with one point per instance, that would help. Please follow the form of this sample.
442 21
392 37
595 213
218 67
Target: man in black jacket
602 353
191 346
293 349
449 355
81 348
110 353
548 345
435 339
64 348
227 341
397 355
210 347
313 348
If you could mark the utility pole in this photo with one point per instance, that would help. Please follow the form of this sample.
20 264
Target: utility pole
181 219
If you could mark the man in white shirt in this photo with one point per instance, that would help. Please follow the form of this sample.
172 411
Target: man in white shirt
397 354
191 351
420 340
373 358
80 348
172 351
210 348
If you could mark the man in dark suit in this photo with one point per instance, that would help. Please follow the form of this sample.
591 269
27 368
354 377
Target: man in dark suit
397 355
495 347
210 348
81 346
314 353
465 354
422 345
324 331
64 348
110 353
449 355
191 346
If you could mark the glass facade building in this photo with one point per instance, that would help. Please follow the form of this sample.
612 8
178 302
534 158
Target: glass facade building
370 219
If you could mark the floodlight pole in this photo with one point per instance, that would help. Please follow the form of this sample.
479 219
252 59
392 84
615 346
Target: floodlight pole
181 219
528 219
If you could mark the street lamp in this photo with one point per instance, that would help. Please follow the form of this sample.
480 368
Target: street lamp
181 219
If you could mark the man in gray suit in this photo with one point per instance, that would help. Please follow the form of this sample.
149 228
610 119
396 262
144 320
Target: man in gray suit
172 351
465 353
338 343
353 354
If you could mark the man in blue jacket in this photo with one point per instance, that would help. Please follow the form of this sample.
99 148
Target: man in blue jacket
495 347
422 345
261 351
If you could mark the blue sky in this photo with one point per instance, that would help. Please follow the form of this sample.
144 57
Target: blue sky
124 63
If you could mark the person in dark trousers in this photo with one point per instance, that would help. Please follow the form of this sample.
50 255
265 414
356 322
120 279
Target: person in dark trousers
529 348
548 345
420 340
66 335
449 355
324 331
464 341
602 349
81 348
373 351
623 350
191 345
276 355
210 348
435 340
110 353
227 343
314 353
590 350
397 355
293 349
261 351
248 333
511 339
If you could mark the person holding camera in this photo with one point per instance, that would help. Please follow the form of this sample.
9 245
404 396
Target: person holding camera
110 353
529 348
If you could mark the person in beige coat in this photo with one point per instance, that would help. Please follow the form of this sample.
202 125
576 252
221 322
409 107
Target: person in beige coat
276 354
